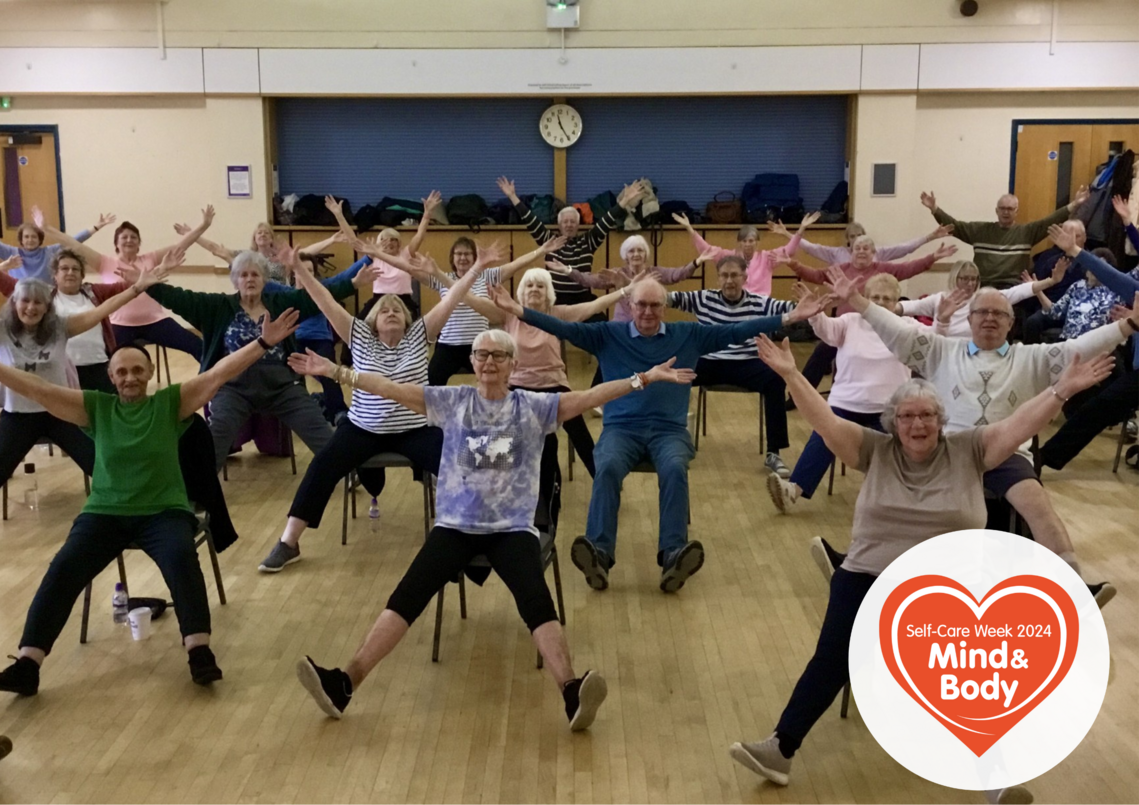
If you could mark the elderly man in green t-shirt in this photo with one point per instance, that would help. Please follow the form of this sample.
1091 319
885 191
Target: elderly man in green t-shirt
137 495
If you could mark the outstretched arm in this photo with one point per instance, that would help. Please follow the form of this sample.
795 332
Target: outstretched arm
199 390
338 317
1124 285
64 403
525 261
575 403
434 198
587 310
458 293
68 242
85 320
216 249
842 437
321 245
192 236
409 395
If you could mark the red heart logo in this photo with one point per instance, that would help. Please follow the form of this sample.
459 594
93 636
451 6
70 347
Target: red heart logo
979 667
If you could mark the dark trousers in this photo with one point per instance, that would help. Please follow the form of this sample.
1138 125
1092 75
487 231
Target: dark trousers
95 540
20 432
820 364
333 394
757 376
817 457
579 436
1112 405
94 376
827 672
515 556
448 360
350 447
166 333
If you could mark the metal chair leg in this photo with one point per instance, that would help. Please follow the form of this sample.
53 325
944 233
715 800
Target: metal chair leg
86 613
1114 467
292 453
438 623
5 493
344 513
569 444
845 701
217 566
123 574
462 596
704 411
830 485
166 360
558 584
762 433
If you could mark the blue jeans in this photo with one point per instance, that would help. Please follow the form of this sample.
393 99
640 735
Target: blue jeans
622 447
817 457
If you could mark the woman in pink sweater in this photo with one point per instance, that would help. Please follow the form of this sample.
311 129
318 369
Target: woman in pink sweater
863 265
867 374
833 255
760 264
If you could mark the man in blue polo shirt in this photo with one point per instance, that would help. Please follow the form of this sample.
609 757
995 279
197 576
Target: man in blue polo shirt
649 425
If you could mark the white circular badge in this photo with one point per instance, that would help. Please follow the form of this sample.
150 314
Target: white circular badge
979 660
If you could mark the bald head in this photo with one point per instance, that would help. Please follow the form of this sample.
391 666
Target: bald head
1007 207
648 306
990 318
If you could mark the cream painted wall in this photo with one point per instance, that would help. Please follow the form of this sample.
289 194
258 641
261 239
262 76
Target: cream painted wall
155 161
521 23
956 145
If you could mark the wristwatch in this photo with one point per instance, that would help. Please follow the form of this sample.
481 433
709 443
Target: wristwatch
638 383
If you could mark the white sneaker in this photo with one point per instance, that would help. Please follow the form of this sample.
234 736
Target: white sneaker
763 758
775 464
822 558
783 493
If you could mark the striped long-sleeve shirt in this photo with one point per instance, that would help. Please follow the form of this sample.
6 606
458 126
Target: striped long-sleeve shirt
710 307
576 254
1001 254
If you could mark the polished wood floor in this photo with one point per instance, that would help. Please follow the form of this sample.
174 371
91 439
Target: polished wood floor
118 721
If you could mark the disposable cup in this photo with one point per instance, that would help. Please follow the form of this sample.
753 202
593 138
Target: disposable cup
140 622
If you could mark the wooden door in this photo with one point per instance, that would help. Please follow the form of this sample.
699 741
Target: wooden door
35 165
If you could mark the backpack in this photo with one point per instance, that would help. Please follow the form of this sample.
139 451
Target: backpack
601 204
468 210
310 211
770 196
586 213
503 213
546 208
667 208
367 217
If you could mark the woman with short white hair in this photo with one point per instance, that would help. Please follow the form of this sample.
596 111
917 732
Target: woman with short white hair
833 255
487 494
920 483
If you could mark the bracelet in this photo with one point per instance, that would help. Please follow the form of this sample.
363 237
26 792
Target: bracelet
355 378
1132 325
264 344
1057 395
644 378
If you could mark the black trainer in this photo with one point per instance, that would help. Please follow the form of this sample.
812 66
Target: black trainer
684 563
330 688
5 746
834 557
21 677
592 562
203 666
583 697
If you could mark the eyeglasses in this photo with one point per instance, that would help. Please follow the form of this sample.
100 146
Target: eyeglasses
989 313
482 355
926 417
655 307
1007 209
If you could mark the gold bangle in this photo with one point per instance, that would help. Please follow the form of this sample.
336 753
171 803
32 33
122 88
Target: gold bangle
355 378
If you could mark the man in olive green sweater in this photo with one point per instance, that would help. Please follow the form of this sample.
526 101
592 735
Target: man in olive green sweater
1002 248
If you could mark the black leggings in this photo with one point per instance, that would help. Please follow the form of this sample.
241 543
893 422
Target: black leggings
579 436
448 360
165 332
350 447
514 555
95 540
94 376
20 432
333 394
820 364
828 671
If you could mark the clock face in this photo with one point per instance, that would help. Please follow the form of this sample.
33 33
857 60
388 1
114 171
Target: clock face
560 125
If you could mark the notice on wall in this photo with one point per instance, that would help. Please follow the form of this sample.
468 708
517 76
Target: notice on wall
240 181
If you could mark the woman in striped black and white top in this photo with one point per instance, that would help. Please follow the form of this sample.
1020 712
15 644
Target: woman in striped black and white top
453 351
389 343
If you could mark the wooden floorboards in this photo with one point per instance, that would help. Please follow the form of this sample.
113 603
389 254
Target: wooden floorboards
118 721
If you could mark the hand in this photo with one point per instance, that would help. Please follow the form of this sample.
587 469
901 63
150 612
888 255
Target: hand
1082 374
810 303
309 363
1120 312
365 277
950 303
941 232
664 373
339 237
274 331
630 195
779 229
334 206
1026 277
494 253
507 188
367 247
1122 209
128 273
558 267
943 251
554 244
504 301
37 216
1060 269
289 257
781 258
616 278
15 261
433 200
423 268
682 219
841 285
707 256
779 358
105 219
809 219
182 229
929 200
171 260
207 216
1134 318
1080 197
1065 241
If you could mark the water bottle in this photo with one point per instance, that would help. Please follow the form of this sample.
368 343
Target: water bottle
374 514
119 604
31 493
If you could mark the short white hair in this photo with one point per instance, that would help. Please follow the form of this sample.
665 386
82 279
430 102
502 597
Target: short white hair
632 241
569 209
915 389
864 239
246 259
539 276
500 339
987 292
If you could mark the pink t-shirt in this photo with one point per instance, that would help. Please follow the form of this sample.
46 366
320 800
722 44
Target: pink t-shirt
390 279
141 311
760 268
866 372
538 363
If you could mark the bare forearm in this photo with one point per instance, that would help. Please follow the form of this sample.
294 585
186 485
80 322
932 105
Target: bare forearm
409 395
65 403
507 271
82 322
574 403
586 310
1005 437
199 390
319 246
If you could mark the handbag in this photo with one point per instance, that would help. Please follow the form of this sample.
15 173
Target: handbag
728 210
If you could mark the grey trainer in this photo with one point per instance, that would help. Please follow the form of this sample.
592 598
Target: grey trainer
279 557
763 758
